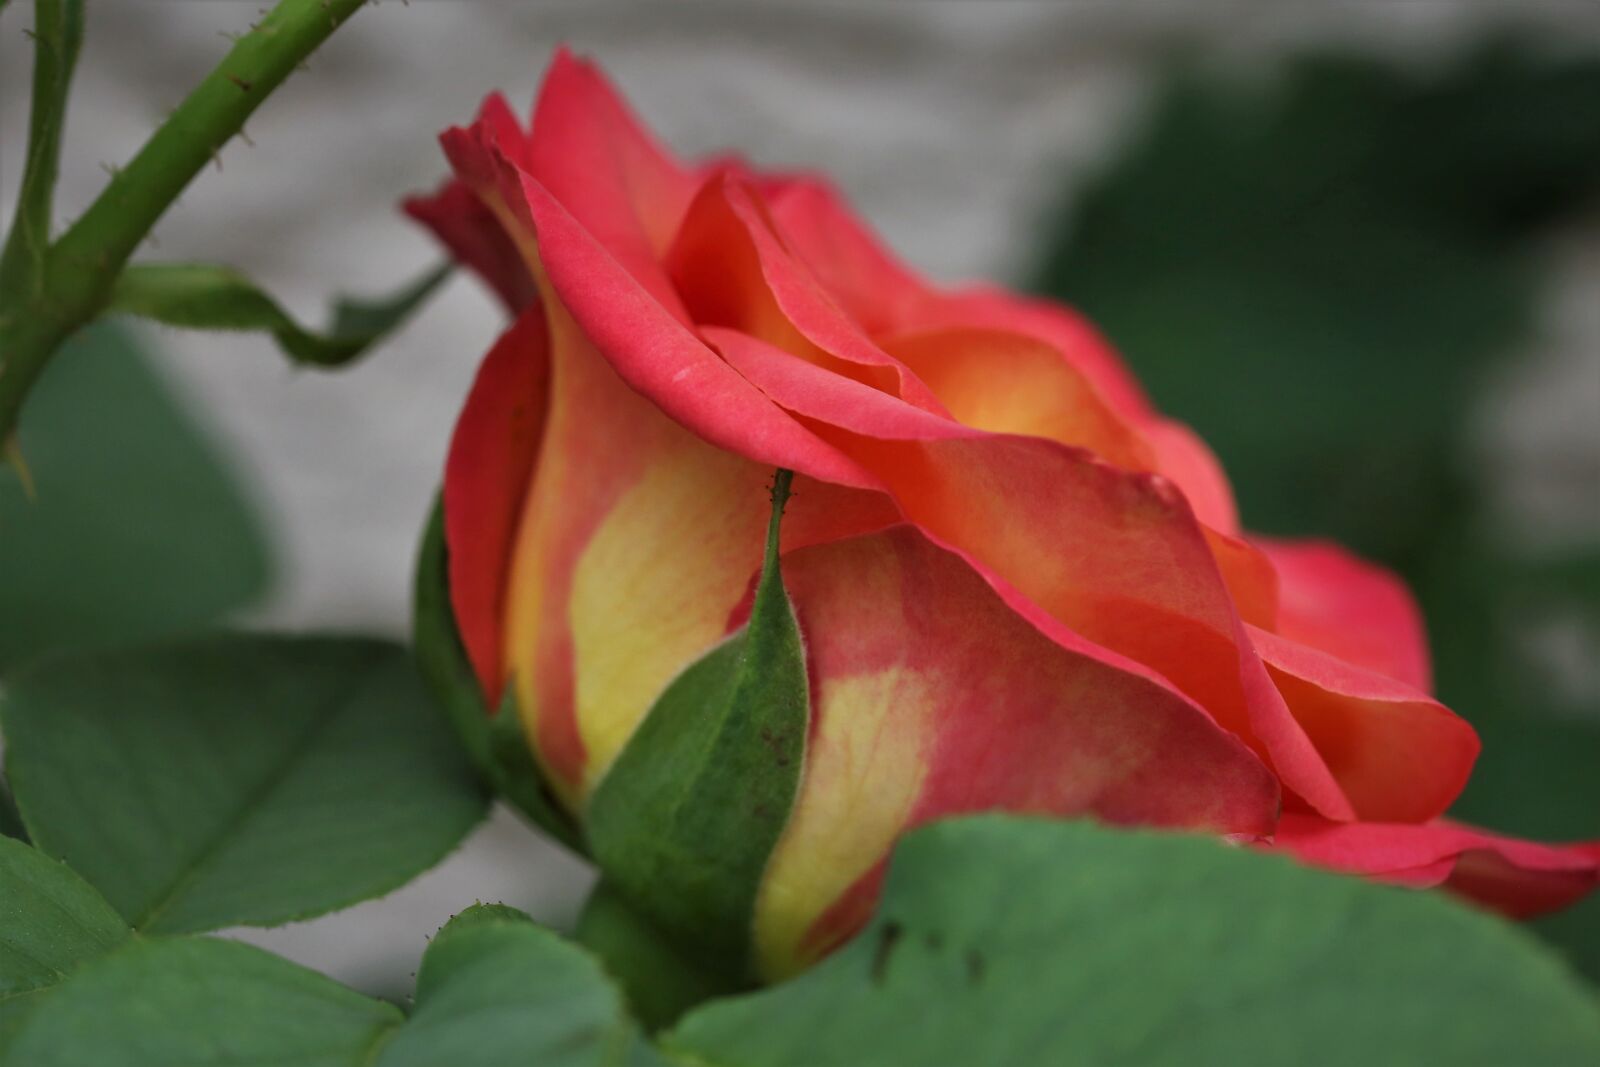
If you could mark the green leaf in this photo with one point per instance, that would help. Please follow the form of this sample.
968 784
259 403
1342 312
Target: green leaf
495 742
684 821
135 527
200 1002
661 979
494 988
1008 941
204 296
51 922
238 779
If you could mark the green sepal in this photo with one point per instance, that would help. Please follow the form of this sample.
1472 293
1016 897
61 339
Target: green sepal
205 296
661 978
686 819
496 743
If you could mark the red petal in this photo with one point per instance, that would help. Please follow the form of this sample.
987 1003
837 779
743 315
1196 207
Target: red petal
1115 556
1188 461
873 287
733 271
597 160
1519 878
1349 608
477 239
931 697
1399 755
487 477
656 355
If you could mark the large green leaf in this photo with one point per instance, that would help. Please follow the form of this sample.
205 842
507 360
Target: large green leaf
1007 941
686 818
494 988
134 527
200 1002
51 922
238 779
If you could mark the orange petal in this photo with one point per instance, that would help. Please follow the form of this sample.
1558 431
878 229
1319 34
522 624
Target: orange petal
1079 343
932 697
1012 383
873 288
1248 574
1116 556
734 271
1189 462
1399 755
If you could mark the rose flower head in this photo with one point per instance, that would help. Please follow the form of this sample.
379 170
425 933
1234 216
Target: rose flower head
1002 581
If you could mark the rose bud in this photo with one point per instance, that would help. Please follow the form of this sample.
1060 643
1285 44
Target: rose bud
1003 580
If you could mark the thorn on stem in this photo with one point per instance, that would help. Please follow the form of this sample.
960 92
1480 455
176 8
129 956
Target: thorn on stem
243 85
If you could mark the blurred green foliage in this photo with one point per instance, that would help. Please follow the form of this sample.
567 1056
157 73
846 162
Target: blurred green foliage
1318 270
10 821
135 526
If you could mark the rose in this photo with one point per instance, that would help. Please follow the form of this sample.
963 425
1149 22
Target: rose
1019 586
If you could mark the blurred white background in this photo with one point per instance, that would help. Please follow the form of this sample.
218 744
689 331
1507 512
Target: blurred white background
953 126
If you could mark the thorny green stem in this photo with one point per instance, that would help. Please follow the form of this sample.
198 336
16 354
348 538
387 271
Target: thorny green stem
57 37
78 271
